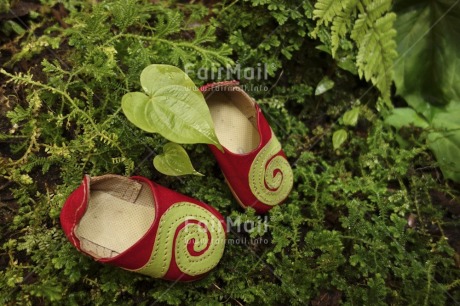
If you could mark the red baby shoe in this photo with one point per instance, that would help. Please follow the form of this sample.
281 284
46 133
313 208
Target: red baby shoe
140 226
253 163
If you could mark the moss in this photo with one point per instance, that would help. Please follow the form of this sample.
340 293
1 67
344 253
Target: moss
360 226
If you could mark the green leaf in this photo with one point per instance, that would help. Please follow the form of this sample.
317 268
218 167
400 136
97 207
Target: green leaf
325 10
324 48
427 73
428 65
444 141
405 116
15 27
131 103
347 63
338 138
377 51
172 106
174 161
351 116
324 85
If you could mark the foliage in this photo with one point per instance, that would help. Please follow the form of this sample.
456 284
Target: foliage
427 33
324 85
263 32
174 161
4 6
350 118
338 138
369 24
172 106
361 225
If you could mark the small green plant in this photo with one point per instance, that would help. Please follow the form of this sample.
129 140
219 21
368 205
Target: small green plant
349 118
173 107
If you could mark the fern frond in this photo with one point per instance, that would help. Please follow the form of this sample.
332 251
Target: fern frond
338 30
360 28
377 52
44 162
326 10
117 160
372 31
110 139
179 55
370 11
204 34
127 162
87 30
378 8
168 24
342 23
183 51
127 13
18 114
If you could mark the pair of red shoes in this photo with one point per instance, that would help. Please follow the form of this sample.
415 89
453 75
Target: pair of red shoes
141 226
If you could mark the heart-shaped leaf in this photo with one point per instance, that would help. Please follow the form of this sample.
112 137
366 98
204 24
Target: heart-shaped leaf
135 114
174 161
172 106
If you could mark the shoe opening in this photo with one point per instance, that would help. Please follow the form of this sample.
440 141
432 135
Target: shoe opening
119 213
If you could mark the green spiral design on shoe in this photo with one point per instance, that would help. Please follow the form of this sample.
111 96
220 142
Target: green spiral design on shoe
270 176
193 227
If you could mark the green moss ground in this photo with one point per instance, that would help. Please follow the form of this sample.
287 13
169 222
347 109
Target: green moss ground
369 223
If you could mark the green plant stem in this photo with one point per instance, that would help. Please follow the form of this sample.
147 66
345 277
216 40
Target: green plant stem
68 98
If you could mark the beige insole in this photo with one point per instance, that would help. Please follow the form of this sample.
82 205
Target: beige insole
234 130
111 225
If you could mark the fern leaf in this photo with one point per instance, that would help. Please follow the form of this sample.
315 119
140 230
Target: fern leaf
168 24
342 24
326 10
338 30
370 11
378 8
377 52
204 34
360 28
127 13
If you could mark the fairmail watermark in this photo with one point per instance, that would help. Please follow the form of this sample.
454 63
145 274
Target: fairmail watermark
236 72
235 226
259 225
